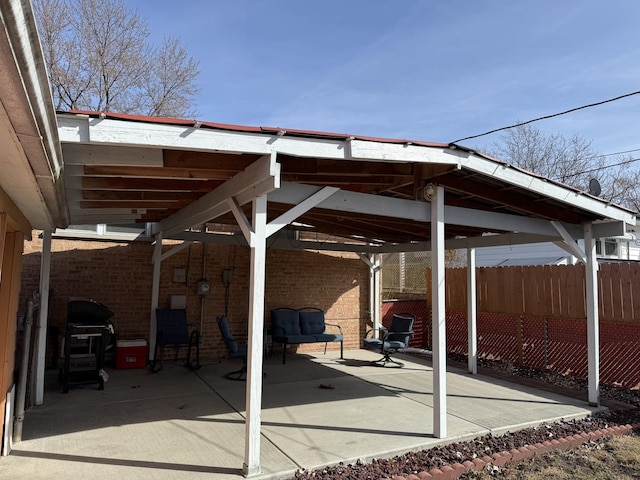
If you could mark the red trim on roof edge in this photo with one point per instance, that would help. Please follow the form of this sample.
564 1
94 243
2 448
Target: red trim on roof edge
252 129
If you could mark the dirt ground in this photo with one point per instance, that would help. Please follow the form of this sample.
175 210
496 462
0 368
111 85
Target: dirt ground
617 458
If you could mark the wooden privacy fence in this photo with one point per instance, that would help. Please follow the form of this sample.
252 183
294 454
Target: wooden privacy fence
548 291
557 344
536 316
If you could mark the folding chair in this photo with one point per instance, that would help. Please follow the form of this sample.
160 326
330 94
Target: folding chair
173 331
234 350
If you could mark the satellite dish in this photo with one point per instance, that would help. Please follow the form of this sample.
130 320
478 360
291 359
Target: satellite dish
594 187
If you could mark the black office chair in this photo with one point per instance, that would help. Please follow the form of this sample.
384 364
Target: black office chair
233 349
391 340
173 331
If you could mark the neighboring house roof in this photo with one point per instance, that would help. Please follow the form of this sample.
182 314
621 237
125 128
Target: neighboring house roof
31 156
519 262
123 168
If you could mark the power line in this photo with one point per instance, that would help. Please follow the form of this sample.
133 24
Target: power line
612 154
631 160
546 117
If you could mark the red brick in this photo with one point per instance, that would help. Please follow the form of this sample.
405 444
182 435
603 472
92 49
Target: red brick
119 275
500 459
448 473
436 473
468 465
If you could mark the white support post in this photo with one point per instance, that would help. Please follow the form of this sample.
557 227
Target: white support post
255 348
155 293
377 297
438 315
593 336
41 342
372 303
472 312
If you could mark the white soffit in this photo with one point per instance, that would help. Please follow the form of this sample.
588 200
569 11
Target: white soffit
30 150
545 187
76 128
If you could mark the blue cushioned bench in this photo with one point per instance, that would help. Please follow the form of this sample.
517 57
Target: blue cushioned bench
305 325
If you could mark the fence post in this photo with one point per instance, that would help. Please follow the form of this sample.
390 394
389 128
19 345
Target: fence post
545 327
520 340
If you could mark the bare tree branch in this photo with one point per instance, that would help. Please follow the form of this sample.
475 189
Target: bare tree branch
569 160
99 58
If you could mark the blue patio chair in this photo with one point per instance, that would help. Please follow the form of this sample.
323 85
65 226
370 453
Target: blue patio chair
172 330
390 340
233 349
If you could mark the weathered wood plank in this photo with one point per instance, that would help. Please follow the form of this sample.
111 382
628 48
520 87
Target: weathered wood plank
626 292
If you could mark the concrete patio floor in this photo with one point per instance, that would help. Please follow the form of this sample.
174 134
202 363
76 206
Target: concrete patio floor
178 424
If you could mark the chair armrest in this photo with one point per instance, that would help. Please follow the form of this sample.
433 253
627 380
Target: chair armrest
380 329
333 325
387 333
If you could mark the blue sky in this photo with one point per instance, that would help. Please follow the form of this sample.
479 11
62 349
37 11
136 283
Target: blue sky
422 70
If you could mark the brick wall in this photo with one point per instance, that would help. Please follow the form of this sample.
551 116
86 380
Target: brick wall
119 275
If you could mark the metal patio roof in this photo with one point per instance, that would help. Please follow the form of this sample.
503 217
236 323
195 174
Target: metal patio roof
122 168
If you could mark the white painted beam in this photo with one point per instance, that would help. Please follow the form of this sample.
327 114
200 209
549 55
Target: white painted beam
284 243
243 222
354 202
295 193
259 178
593 335
571 245
173 250
472 313
74 129
107 219
76 154
607 229
499 240
439 335
300 209
403 152
367 260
